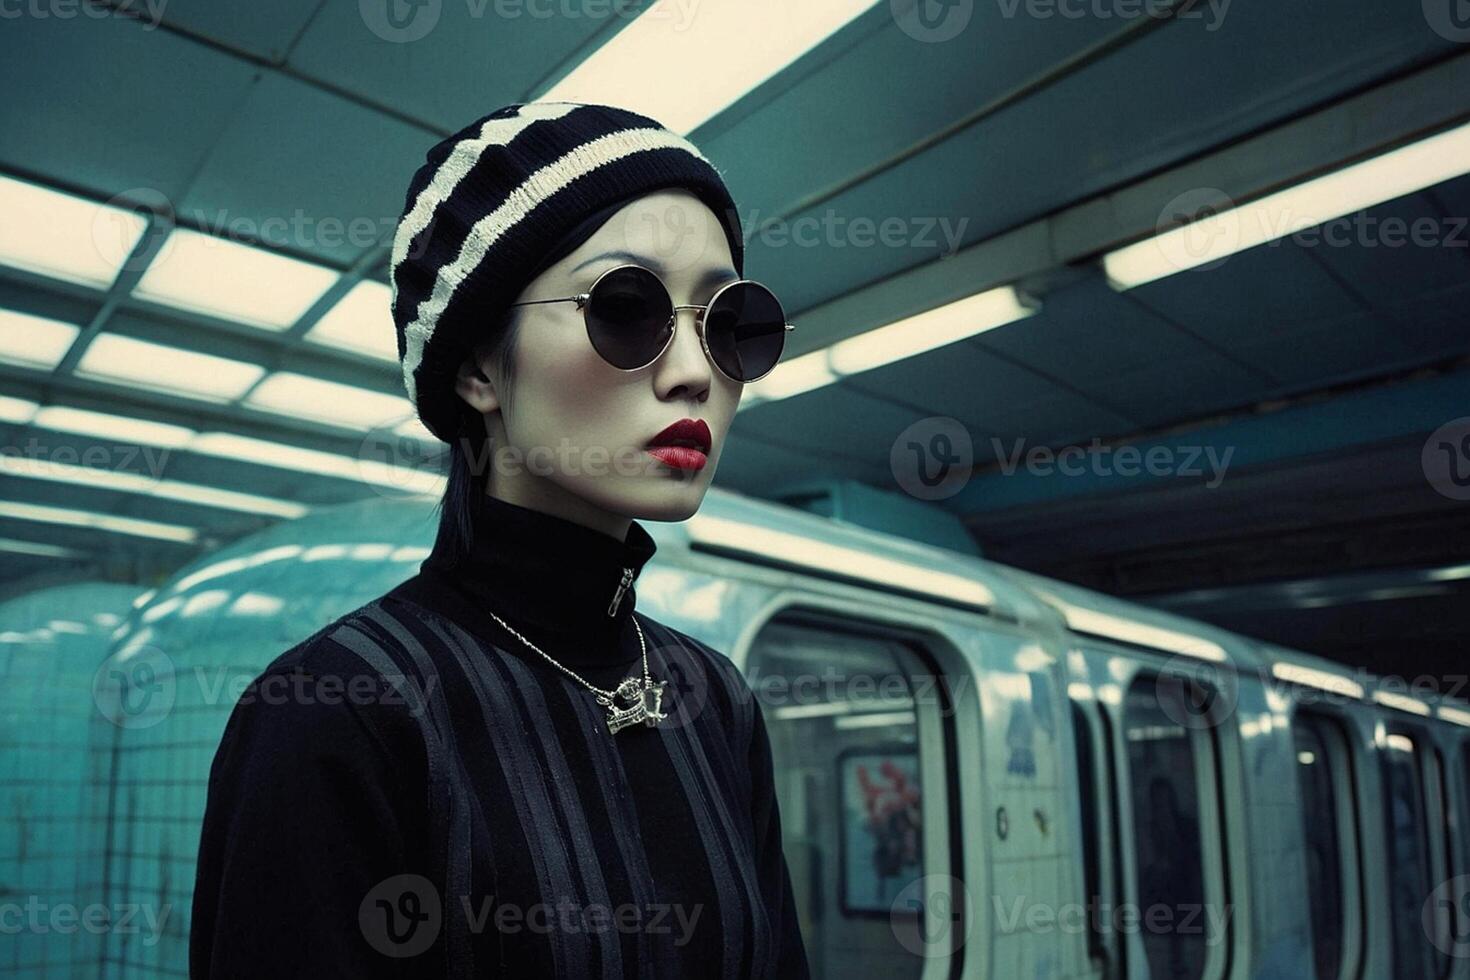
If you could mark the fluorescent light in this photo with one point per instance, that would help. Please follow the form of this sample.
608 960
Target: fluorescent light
1402 702
126 482
821 556
925 331
227 445
1131 631
205 496
1399 743
96 521
1391 175
301 396
156 367
226 279
788 378
681 64
80 421
822 709
1322 680
63 236
891 342
37 549
883 719
35 341
1456 715
17 410
362 322
407 479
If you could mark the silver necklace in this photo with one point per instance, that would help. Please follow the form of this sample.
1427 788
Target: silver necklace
641 702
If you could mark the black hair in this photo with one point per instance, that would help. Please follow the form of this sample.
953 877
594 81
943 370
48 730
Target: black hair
470 452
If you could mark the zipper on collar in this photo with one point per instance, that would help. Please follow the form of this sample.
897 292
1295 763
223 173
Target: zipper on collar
612 609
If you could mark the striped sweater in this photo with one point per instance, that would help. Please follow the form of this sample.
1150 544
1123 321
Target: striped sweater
413 792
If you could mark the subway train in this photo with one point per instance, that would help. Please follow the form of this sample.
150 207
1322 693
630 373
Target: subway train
982 773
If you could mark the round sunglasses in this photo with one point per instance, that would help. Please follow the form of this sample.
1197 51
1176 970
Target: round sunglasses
631 321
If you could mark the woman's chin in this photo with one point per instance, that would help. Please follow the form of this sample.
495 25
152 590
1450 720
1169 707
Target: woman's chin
669 499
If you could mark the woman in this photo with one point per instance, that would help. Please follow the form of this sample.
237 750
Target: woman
532 780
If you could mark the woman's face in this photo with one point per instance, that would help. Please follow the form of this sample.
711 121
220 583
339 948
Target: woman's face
573 438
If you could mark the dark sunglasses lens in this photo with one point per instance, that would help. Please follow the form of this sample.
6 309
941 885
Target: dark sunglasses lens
629 316
745 330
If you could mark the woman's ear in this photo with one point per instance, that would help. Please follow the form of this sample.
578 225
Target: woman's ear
475 386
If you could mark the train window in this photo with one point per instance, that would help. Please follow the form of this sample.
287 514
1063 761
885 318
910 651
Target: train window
1171 765
1408 854
843 711
1330 825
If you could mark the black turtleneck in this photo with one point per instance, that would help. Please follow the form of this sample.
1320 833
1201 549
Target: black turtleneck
468 813
558 583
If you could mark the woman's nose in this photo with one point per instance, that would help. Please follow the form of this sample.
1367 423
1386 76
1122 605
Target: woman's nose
685 361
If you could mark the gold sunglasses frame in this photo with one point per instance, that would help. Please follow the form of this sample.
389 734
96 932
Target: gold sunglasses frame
581 300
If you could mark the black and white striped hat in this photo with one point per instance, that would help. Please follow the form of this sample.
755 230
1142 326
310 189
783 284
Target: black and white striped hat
492 200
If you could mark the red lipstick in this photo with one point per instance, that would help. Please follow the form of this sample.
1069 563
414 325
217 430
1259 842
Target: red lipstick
684 445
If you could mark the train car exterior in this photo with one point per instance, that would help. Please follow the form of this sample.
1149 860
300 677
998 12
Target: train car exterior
1105 790
982 773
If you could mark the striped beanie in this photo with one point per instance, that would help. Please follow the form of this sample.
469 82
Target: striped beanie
494 201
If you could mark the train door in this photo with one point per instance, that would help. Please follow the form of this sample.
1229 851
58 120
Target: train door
1035 925
1175 917
860 720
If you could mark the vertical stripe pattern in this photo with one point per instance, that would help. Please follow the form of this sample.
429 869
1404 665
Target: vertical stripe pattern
502 733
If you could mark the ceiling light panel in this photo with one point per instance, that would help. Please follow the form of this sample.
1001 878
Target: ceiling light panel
302 396
361 322
101 522
34 341
232 281
64 236
157 367
683 63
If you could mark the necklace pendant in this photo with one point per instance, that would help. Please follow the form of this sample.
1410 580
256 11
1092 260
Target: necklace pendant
653 696
642 705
